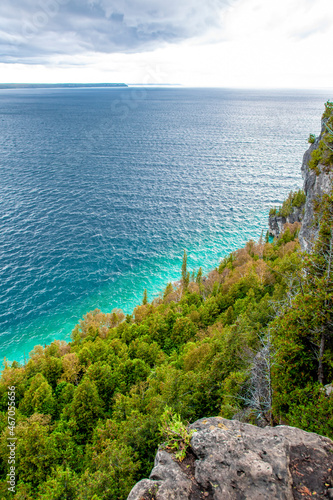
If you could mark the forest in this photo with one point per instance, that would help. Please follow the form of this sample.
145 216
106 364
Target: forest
251 340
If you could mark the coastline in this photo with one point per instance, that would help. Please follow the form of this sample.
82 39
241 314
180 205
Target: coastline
153 275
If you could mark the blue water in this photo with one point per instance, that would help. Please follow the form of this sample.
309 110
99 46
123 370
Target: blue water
102 189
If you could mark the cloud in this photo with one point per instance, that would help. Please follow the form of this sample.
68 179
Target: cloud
32 31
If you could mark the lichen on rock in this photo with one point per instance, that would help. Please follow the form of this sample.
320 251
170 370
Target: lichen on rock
234 460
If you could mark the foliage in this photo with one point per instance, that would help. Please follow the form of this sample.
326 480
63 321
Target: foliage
328 109
323 154
175 434
251 339
311 139
185 273
86 408
97 408
294 199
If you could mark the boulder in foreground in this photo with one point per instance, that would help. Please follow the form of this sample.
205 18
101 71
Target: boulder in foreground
230 460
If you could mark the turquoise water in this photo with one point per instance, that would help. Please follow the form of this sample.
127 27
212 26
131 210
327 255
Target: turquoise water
102 189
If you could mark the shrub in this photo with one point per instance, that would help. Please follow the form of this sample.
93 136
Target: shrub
315 160
311 409
328 109
175 433
295 199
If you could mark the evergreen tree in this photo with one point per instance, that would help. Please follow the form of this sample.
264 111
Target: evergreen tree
145 297
87 407
38 398
199 276
185 273
267 237
168 289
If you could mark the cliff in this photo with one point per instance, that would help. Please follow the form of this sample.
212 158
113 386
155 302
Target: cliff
233 460
276 222
251 342
317 181
229 460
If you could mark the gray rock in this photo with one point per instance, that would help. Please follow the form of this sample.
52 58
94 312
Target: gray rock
166 481
144 488
314 186
275 225
237 461
277 222
328 389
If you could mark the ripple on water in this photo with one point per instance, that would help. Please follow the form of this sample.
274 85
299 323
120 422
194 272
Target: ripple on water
94 207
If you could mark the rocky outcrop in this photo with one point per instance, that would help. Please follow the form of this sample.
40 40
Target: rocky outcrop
314 186
277 222
230 460
316 183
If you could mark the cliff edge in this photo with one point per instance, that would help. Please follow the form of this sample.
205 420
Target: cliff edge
317 182
318 177
230 460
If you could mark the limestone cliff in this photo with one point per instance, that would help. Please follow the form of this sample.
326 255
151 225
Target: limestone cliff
317 182
230 460
315 185
277 222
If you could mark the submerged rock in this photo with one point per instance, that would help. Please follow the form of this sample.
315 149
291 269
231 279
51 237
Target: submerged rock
230 460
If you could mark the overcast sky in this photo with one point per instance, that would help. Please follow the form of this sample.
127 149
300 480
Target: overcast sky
229 43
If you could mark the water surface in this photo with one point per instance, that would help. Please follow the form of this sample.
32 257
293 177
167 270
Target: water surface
102 189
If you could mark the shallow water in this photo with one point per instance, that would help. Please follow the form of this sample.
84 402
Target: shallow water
102 189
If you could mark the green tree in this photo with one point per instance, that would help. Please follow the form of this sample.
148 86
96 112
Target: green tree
111 473
168 290
52 369
145 297
86 408
60 485
199 276
64 395
38 398
183 330
185 273
34 453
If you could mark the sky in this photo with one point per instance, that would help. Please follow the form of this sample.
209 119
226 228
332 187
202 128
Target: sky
208 43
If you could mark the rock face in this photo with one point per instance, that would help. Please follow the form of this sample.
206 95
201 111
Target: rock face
314 186
230 460
276 222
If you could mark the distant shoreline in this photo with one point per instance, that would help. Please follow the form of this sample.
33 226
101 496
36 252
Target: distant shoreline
59 85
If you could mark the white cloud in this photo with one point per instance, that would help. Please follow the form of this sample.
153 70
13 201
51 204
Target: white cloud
250 43
35 30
